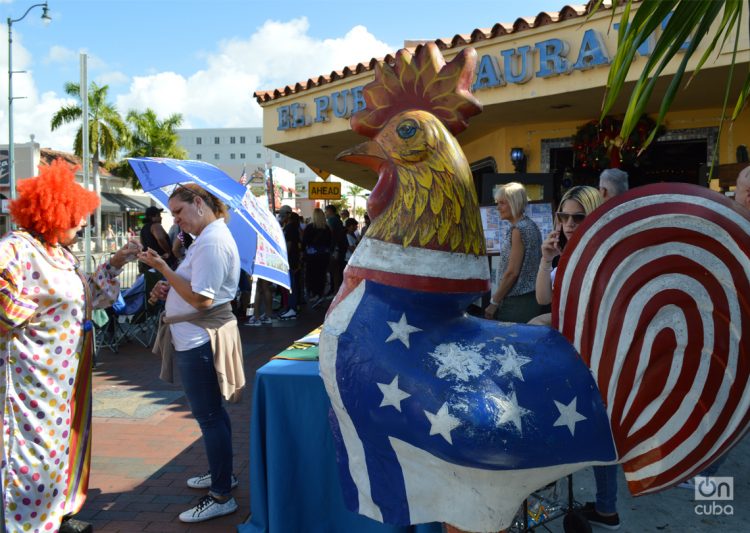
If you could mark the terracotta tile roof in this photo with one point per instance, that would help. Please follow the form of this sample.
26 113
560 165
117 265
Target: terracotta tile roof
521 24
47 155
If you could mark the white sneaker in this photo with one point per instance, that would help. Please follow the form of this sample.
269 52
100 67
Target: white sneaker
204 481
291 313
208 507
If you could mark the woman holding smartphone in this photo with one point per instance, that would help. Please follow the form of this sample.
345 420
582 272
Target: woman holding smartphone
575 205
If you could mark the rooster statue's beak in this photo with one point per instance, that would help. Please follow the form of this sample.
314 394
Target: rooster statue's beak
368 154
371 155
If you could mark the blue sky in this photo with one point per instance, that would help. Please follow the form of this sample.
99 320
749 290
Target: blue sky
204 58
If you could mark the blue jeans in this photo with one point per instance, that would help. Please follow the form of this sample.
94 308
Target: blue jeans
606 488
202 390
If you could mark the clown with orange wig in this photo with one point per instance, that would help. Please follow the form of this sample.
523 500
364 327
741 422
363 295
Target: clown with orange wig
46 350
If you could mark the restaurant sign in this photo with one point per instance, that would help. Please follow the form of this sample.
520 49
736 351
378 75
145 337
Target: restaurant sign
552 57
324 190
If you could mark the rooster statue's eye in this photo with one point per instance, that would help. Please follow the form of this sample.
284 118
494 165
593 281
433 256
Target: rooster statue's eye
407 129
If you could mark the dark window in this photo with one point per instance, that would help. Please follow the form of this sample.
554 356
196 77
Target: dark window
216 140
257 156
198 140
242 140
242 156
216 156
277 155
232 140
198 157
231 156
301 170
258 140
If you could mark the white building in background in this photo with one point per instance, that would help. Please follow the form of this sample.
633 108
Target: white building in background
236 149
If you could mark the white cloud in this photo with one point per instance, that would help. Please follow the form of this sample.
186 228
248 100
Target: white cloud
219 93
277 54
112 78
60 54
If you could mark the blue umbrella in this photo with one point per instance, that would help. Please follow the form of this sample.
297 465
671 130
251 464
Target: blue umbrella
259 237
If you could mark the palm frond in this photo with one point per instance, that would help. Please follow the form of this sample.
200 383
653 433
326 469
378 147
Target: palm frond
688 21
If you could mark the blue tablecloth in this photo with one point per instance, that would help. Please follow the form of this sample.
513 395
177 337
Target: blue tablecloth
294 483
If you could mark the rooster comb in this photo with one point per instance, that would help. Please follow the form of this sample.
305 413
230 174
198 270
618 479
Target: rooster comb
421 81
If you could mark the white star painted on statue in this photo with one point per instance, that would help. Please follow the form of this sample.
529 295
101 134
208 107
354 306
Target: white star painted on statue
401 330
512 362
392 395
568 415
509 410
442 423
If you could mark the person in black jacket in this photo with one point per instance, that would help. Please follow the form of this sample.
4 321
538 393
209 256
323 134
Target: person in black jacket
155 237
316 245
293 237
339 246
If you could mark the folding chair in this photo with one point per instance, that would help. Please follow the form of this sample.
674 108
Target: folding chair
142 325
106 332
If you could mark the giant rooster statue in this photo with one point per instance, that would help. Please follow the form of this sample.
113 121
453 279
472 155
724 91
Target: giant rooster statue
438 416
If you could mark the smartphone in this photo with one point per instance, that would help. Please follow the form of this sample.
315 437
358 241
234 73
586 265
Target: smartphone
561 239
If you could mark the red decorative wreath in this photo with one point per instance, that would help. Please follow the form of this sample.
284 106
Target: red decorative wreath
598 145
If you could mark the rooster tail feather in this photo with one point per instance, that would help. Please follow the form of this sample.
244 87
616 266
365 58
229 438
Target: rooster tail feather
651 291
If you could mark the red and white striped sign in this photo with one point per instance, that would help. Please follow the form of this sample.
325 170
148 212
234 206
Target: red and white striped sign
653 291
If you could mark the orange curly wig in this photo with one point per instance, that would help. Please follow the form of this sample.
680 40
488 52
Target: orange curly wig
52 202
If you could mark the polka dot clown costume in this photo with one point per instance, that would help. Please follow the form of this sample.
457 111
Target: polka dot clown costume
45 353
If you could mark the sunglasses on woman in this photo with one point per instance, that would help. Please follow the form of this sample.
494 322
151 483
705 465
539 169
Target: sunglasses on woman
564 217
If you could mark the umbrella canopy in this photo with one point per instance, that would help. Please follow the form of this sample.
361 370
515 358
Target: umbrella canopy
258 235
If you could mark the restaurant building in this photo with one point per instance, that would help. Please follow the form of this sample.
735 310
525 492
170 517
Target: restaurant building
541 81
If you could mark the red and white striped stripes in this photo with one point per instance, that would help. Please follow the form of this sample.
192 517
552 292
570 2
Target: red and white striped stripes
654 293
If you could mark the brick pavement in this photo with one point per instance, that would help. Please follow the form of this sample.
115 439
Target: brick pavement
146 443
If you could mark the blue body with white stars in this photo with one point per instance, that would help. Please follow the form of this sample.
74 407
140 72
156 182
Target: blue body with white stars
427 400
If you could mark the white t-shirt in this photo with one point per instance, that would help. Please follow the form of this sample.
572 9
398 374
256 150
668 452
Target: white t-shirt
351 240
212 265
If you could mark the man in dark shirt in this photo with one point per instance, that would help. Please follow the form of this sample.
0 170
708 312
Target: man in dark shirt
292 235
155 237
338 248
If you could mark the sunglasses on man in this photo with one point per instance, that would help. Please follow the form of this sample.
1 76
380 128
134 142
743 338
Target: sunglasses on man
564 217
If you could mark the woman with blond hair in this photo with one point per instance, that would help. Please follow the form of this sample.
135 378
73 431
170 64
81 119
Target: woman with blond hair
513 299
577 203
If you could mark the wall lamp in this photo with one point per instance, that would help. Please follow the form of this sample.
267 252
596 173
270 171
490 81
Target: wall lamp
518 158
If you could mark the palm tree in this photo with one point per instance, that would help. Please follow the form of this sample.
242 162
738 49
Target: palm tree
354 192
107 132
689 21
151 137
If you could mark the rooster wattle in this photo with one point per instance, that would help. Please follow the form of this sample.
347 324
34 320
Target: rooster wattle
438 416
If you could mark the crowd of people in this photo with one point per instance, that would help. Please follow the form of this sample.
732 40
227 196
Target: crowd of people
317 250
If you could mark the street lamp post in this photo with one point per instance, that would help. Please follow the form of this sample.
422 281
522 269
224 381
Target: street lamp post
11 148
